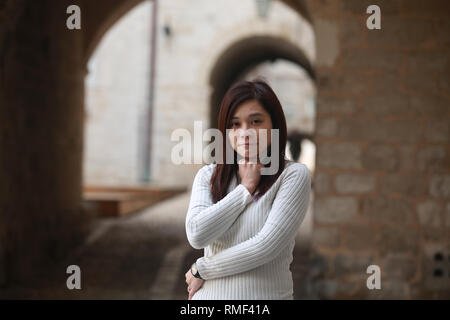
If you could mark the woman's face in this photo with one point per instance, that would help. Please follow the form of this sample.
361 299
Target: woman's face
250 115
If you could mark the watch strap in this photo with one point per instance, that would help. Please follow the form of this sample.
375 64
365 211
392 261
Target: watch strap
196 274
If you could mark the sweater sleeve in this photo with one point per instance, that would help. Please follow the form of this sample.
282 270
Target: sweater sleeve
286 215
206 221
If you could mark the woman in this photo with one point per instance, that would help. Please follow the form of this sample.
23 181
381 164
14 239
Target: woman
246 222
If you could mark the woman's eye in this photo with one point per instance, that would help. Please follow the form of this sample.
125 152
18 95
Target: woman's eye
237 123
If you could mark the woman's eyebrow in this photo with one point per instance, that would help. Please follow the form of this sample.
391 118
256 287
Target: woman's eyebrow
250 115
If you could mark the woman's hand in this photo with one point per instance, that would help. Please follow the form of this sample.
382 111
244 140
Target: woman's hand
193 283
250 174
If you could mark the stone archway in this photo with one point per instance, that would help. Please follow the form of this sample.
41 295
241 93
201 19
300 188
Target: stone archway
102 14
244 55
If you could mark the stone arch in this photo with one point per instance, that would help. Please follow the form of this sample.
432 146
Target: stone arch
244 55
101 17
98 24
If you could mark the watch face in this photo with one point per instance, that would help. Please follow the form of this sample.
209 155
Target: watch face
194 269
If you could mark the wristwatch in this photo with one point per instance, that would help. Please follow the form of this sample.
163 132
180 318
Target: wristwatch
194 271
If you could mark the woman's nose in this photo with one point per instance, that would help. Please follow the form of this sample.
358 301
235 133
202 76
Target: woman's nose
247 135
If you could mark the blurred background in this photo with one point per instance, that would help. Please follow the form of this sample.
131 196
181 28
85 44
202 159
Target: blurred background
86 118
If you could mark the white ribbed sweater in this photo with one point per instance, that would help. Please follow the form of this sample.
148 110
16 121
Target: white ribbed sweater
247 244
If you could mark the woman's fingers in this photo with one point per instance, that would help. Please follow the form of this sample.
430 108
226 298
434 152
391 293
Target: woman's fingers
191 292
188 275
194 284
243 161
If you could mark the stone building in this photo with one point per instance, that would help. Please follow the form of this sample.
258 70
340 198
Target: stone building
381 133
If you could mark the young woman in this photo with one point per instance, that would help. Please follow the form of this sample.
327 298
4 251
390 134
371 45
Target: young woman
246 222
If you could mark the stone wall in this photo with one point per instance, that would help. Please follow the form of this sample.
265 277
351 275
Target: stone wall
382 178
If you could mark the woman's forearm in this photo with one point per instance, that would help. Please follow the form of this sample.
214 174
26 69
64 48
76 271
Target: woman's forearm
205 221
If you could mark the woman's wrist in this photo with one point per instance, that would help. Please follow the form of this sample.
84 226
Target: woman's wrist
195 272
250 188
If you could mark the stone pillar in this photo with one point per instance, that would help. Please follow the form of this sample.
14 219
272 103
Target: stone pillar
41 136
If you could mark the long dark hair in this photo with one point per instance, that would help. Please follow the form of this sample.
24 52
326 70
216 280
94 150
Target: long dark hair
238 93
